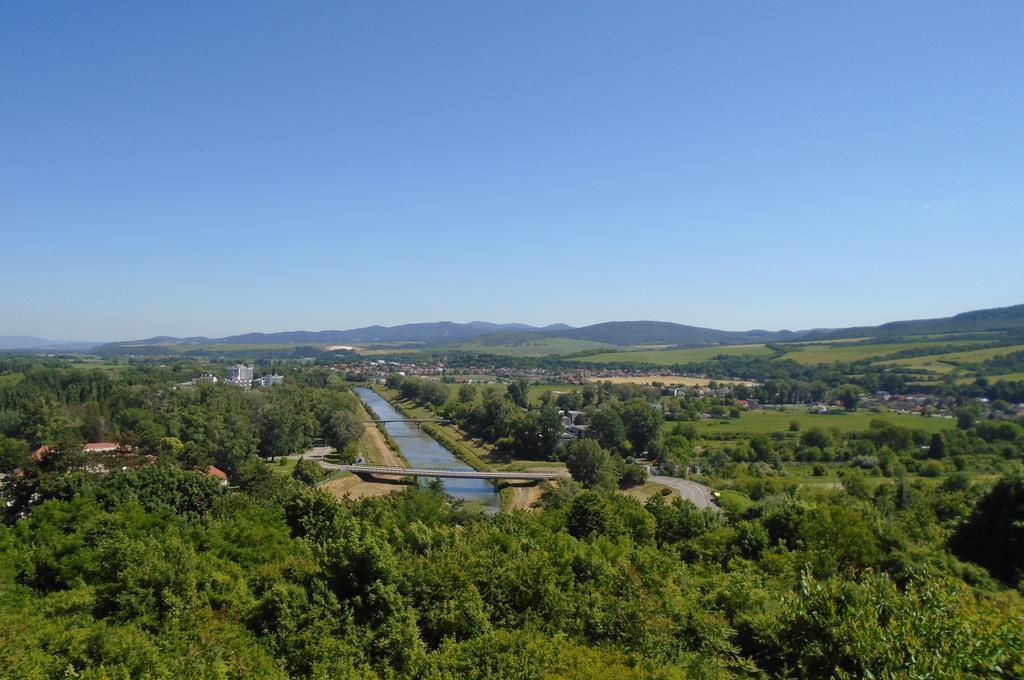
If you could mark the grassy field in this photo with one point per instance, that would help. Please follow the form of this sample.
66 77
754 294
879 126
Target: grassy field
686 380
185 348
971 357
535 347
535 391
754 422
283 466
991 378
668 357
845 352
1007 376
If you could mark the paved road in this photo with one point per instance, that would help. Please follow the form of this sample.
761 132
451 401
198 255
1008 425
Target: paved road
317 454
698 494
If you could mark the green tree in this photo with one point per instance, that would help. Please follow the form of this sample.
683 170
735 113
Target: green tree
849 396
590 465
518 391
343 428
13 453
590 514
642 422
607 429
308 472
467 394
632 475
994 535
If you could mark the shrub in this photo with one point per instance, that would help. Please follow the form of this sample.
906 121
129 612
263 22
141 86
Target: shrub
932 468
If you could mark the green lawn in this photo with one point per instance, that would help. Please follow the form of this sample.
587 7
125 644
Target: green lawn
669 357
286 469
754 422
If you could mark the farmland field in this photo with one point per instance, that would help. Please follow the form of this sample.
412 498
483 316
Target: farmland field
188 347
668 357
755 422
945 363
686 380
991 378
830 354
535 347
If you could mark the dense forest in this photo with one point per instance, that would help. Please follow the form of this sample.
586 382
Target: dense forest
153 569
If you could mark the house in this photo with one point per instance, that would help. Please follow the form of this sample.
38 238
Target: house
102 447
217 474
268 380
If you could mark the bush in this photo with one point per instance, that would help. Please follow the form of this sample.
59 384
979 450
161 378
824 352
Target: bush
818 471
632 475
307 472
932 468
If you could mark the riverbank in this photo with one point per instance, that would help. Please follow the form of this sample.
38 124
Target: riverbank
460 444
389 443
377 448
473 452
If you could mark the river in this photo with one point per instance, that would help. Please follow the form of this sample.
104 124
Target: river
423 451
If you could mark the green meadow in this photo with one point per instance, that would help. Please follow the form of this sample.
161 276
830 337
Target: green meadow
669 357
535 347
535 391
757 422
847 352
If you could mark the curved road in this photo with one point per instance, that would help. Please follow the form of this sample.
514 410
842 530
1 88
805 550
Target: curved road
698 494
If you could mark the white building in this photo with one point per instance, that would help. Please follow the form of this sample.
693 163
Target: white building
239 375
268 380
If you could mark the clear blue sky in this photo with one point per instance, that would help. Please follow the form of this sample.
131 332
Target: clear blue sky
210 168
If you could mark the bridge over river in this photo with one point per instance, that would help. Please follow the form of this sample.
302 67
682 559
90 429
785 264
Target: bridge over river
407 420
458 474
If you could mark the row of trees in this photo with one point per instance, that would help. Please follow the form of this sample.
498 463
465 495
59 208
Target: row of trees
503 416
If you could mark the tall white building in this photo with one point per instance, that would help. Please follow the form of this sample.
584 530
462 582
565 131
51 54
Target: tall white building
239 375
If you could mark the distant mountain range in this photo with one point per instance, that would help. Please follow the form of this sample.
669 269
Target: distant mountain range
621 333
8 342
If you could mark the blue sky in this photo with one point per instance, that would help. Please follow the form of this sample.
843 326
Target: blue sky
212 168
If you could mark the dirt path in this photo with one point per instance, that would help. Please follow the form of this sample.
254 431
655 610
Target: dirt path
382 453
355 488
377 452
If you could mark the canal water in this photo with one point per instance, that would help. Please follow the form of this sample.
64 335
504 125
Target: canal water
423 451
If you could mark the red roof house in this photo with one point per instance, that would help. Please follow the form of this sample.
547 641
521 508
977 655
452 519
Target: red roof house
217 473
